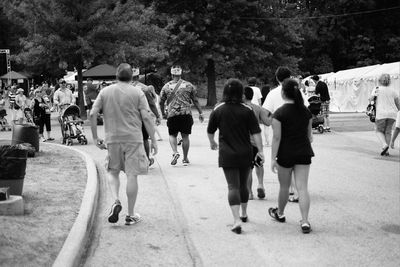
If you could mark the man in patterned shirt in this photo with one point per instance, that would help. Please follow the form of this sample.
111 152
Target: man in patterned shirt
178 95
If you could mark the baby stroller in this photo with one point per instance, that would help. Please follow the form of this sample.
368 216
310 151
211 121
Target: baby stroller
4 126
72 126
315 109
28 116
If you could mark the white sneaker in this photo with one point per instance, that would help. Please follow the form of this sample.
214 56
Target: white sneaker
129 220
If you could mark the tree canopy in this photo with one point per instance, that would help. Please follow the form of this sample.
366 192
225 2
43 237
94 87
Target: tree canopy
212 39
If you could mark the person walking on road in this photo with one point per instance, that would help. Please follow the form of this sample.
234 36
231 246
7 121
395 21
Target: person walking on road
273 101
387 106
236 122
291 151
153 107
262 117
321 89
124 109
178 95
257 96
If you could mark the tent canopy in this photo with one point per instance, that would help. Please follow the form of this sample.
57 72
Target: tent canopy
100 72
389 68
13 75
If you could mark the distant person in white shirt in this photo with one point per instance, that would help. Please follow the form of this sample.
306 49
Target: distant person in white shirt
256 91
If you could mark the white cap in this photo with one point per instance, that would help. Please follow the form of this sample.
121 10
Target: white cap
176 71
135 71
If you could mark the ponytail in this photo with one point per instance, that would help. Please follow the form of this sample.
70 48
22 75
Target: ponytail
291 90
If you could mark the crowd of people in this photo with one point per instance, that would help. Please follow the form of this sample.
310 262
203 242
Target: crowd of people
132 111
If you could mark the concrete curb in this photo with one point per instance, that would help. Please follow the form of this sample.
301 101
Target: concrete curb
73 248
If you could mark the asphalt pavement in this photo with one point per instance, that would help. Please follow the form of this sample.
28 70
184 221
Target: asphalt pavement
355 209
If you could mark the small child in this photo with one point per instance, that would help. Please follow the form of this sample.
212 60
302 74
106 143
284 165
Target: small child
396 130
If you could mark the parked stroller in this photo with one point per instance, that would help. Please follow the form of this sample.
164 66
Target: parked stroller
315 105
72 126
4 126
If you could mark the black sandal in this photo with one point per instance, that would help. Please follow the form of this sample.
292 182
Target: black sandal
237 229
244 219
384 151
261 192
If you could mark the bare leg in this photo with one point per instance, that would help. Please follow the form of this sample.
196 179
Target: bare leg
131 193
185 145
284 176
388 131
173 143
394 136
244 209
260 176
301 177
113 182
250 184
236 217
382 138
266 134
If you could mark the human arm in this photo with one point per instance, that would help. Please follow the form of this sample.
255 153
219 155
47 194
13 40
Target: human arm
265 117
163 98
310 135
276 140
93 123
152 105
197 104
211 129
148 122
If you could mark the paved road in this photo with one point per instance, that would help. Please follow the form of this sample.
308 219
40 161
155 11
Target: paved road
355 210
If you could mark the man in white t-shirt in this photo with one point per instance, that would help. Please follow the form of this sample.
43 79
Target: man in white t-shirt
256 100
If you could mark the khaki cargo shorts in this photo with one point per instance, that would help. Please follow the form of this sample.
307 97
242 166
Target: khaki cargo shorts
127 157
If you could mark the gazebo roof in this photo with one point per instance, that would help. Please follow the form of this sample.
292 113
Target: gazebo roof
103 71
13 75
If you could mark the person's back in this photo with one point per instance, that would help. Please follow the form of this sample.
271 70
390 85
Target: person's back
234 135
386 102
122 124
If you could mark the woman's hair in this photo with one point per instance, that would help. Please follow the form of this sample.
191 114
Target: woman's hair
384 79
233 91
291 90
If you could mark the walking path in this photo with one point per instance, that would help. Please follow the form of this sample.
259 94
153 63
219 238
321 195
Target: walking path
355 210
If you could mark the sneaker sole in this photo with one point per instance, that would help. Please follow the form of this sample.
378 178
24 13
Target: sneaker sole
134 222
175 159
113 218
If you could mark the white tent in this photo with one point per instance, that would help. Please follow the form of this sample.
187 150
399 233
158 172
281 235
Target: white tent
350 89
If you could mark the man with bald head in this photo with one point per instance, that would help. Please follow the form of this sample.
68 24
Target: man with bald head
124 109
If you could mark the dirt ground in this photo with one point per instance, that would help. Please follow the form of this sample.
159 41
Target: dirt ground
54 184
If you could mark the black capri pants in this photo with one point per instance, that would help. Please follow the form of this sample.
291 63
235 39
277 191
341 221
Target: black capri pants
237 185
42 121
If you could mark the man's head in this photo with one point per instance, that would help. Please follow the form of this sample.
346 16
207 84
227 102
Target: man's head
248 93
63 84
233 91
176 72
252 81
124 72
315 78
282 73
135 73
89 80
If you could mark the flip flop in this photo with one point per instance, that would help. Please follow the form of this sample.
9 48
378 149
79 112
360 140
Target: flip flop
237 229
244 219
384 150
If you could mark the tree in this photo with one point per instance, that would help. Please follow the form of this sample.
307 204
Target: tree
76 33
225 39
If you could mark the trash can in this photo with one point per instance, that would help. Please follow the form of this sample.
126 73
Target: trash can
25 133
12 168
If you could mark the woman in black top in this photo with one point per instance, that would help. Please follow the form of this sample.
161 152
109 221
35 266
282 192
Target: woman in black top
41 114
235 121
291 151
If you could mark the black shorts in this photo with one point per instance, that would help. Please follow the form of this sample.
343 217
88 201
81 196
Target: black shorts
180 123
290 162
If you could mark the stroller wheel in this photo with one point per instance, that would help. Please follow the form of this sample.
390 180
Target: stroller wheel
320 129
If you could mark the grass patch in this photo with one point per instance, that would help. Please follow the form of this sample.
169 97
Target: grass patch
54 184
